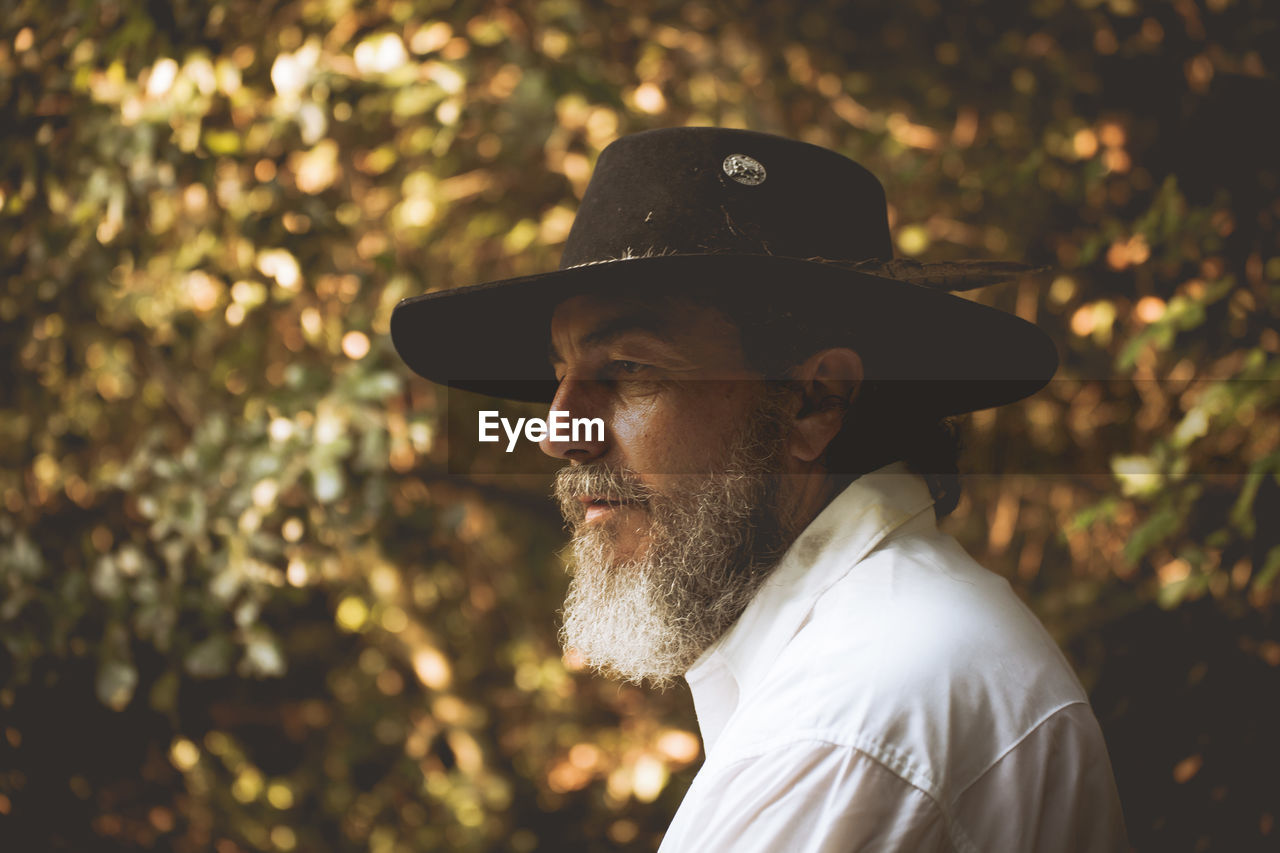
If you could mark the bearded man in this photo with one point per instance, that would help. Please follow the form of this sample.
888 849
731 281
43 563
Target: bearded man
758 515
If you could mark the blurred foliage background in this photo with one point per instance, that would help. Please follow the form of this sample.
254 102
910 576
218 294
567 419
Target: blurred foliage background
244 605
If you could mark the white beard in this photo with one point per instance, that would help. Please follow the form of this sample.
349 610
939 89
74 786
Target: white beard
707 550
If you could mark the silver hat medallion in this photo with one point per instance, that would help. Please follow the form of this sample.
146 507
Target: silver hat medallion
744 169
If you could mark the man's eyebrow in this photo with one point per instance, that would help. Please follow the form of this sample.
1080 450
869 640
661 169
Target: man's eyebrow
649 322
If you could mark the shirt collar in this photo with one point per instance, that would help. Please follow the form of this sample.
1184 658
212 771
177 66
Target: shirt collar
848 529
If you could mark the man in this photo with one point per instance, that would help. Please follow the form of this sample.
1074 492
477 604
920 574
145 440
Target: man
754 516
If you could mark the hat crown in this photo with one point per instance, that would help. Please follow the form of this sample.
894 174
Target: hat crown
703 190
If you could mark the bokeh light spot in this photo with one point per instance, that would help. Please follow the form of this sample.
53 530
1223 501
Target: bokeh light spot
184 754
432 668
352 613
355 345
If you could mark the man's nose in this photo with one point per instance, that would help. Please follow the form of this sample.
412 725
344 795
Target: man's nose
577 439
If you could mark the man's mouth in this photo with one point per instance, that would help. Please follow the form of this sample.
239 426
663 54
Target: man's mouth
599 508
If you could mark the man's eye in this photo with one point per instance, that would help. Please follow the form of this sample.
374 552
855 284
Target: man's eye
626 368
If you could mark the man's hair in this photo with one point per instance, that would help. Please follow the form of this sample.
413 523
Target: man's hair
887 421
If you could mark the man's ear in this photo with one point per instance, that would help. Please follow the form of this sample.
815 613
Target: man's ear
827 381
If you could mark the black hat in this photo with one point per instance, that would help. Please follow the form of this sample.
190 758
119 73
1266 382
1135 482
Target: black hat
744 213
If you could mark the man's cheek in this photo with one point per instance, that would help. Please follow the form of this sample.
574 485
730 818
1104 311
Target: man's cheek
641 428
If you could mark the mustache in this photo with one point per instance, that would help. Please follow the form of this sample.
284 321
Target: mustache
598 481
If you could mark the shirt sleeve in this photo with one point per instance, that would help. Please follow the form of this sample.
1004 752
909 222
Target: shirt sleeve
807 797
1059 776
1052 792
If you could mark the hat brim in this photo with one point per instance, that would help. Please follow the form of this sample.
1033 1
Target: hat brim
950 354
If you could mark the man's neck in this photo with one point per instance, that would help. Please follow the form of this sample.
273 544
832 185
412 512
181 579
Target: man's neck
810 492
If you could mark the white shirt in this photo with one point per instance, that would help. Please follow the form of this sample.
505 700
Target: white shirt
884 692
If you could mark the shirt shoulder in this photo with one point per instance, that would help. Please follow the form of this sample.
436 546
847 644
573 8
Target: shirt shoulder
1052 792
917 657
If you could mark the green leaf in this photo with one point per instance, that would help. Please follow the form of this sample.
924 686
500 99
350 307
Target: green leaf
1104 510
117 679
262 656
327 482
1242 510
1156 529
21 559
209 659
163 696
1270 569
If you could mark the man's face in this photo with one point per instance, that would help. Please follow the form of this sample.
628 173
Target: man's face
676 513
670 383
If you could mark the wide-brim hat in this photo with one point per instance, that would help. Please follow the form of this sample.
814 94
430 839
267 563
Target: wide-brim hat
745 214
